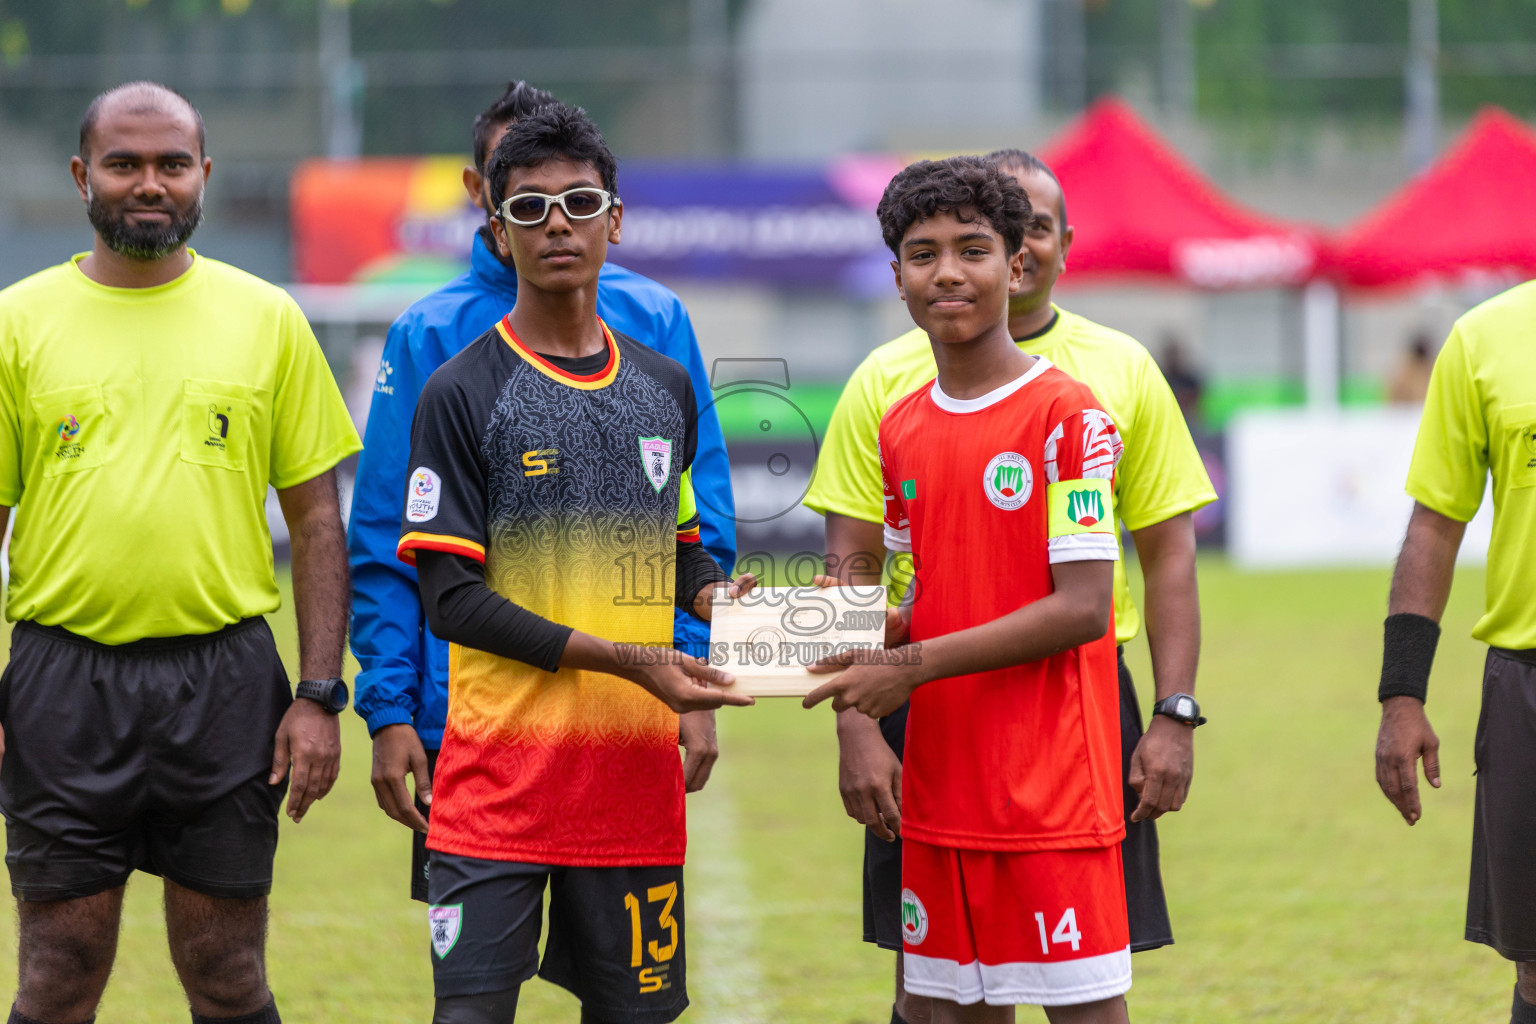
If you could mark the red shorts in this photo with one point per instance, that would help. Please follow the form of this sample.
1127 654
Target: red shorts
1047 928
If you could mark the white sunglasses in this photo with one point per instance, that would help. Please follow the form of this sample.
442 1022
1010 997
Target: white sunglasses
529 209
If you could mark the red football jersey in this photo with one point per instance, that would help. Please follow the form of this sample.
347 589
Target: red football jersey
987 493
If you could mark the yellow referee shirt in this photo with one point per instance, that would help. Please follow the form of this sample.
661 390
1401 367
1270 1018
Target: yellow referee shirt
1160 475
1480 417
139 429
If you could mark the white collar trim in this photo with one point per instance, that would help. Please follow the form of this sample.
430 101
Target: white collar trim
991 398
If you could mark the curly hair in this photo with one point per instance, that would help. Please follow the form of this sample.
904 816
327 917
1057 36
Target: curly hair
970 187
553 132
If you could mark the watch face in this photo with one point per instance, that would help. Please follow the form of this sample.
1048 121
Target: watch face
1185 708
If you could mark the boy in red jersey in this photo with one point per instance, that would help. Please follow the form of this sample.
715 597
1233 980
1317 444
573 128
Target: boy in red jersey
997 479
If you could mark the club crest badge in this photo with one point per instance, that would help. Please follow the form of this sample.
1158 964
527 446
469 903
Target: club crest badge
1008 481
1085 508
656 458
445 922
914 918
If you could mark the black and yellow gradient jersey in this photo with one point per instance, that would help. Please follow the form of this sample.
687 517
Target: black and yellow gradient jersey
573 490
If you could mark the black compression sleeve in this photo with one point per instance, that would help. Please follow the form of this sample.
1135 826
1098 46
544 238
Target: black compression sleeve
1408 653
463 610
696 569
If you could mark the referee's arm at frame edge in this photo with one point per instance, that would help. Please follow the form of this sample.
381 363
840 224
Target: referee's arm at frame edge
1421 585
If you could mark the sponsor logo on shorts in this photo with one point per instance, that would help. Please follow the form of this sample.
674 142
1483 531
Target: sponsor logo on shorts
1008 481
914 918
444 923
423 496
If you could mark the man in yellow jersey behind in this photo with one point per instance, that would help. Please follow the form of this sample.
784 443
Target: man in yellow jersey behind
148 397
1479 418
1160 483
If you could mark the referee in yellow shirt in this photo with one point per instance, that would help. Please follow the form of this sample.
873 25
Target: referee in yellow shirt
1159 484
148 397
1479 418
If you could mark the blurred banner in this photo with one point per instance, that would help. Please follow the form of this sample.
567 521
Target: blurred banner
1312 489
1140 210
371 221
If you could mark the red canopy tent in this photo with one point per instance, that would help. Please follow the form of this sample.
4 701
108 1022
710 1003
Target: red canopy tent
1472 211
1139 208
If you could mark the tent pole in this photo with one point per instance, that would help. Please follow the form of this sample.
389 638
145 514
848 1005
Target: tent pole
1320 344
1422 83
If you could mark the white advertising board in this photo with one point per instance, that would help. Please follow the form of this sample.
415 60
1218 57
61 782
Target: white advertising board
1326 488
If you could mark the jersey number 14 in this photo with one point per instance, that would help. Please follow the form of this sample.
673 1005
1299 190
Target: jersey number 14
1064 932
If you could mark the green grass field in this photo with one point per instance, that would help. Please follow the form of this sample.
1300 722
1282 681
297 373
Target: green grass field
1297 893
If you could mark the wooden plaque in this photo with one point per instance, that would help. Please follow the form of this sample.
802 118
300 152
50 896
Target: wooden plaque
767 638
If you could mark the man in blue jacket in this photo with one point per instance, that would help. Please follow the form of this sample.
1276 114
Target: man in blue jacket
402 690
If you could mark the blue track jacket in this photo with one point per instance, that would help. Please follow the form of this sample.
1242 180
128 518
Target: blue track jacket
404 675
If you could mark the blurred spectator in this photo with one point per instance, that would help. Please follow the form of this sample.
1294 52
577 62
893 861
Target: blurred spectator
1410 381
1182 379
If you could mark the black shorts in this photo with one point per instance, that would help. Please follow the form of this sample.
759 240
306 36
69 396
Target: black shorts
1146 906
1501 897
615 934
149 756
420 862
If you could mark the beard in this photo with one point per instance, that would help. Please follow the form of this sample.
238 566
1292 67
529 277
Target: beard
143 242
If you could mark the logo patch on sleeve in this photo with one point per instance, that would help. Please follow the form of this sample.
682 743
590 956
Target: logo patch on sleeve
445 923
423 495
1079 506
1084 507
656 457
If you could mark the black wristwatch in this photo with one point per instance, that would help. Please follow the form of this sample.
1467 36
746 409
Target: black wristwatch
330 694
1180 707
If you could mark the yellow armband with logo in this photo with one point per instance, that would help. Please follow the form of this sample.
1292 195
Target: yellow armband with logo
1079 506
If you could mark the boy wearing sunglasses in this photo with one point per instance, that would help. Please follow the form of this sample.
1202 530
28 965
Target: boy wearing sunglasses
402 687
551 518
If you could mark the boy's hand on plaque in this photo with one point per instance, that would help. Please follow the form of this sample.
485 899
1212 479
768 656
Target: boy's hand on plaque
704 600
680 682
874 682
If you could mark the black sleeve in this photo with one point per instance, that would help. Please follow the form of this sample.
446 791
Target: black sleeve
691 418
696 569
463 610
445 495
